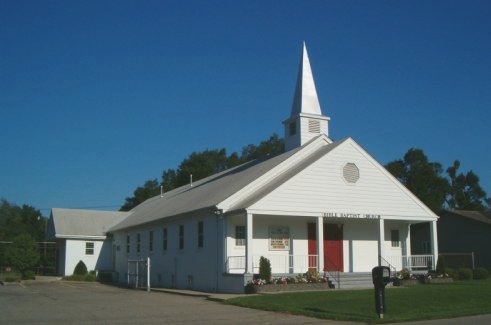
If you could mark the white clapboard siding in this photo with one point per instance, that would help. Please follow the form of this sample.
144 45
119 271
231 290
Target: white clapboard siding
322 188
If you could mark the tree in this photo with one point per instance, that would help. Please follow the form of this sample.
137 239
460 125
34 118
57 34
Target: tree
142 193
465 191
422 177
15 220
23 253
200 165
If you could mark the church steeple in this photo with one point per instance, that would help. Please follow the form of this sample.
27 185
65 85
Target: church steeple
306 120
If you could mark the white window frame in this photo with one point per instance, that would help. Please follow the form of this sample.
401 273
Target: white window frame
395 242
89 250
240 241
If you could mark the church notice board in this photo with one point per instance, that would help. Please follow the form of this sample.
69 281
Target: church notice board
279 238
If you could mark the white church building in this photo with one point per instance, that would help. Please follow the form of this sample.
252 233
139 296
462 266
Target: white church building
322 204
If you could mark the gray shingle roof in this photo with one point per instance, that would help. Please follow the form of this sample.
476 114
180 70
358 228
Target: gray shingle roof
474 215
210 191
77 222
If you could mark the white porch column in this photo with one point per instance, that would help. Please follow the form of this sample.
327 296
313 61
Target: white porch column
225 243
320 244
381 240
434 242
249 245
408 247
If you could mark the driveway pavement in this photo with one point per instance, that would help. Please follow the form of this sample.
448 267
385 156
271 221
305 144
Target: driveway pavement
93 303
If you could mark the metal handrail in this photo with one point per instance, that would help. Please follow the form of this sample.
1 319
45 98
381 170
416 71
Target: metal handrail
391 267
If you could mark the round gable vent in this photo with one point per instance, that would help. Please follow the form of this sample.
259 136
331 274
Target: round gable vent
351 173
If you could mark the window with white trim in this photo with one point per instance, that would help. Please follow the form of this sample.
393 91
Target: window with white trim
164 239
394 238
240 238
89 248
128 244
200 234
138 242
181 237
150 241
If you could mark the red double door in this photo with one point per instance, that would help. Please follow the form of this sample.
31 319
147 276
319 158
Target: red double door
333 246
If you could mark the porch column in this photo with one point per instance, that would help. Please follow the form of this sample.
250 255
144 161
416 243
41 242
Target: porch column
249 239
320 244
225 243
381 240
434 242
408 247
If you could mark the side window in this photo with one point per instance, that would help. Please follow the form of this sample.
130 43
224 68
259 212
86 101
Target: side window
200 233
394 237
128 244
181 237
150 241
164 239
89 248
240 239
138 242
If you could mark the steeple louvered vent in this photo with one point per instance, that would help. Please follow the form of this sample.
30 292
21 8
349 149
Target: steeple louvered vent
314 126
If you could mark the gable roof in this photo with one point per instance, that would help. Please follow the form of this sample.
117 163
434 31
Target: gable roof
78 223
474 215
211 191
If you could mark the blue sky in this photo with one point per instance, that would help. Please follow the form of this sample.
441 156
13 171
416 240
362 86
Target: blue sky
96 97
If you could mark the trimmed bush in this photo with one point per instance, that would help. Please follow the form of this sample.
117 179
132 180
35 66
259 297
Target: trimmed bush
80 269
440 266
465 273
452 273
265 269
28 275
10 279
480 274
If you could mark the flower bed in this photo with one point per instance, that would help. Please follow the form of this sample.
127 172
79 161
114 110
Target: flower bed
438 280
287 287
302 282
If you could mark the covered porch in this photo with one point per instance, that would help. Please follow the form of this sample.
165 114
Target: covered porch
351 243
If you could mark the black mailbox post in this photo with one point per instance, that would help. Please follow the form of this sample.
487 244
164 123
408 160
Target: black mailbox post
380 277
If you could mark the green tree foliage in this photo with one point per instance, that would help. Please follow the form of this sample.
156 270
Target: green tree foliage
142 193
265 269
422 177
15 220
23 253
465 191
80 269
200 165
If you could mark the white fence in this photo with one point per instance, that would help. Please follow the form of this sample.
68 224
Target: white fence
411 262
280 264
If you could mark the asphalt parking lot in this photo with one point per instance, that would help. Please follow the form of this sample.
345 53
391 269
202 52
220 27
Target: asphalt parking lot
63 302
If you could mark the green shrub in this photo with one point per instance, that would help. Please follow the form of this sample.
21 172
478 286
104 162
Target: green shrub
480 274
75 277
312 275
80 269
452 273
10 279
465 273
89 277
440 266
28 275
405 274
265 269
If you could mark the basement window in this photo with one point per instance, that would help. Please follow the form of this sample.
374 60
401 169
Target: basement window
89 248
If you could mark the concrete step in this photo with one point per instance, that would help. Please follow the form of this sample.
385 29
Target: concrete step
352 280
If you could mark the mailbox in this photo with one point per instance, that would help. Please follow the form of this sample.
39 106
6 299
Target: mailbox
380 277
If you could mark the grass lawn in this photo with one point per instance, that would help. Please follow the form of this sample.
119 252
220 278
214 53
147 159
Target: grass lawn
431 301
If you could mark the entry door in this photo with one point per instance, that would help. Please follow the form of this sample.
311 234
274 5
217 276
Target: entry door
333 247
312 245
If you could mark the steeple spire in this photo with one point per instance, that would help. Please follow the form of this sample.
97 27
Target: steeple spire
306 120
305 99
